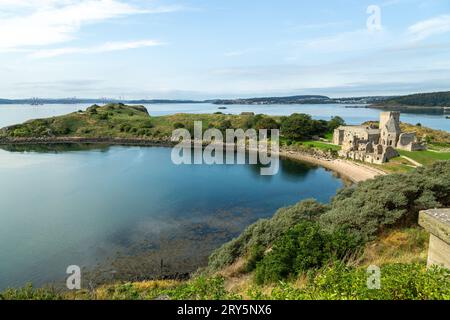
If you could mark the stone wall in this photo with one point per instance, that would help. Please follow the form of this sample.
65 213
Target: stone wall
437 222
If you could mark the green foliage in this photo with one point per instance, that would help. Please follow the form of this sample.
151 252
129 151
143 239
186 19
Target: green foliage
266 123
256 254
302 127
425 157
340 282
264 232
389 201
335 122
30 293
304 247
200 288
178 125
224 125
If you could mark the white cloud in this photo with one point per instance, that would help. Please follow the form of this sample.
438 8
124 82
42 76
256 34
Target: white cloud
427 28
107 47
45 22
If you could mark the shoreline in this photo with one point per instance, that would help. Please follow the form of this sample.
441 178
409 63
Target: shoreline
355 172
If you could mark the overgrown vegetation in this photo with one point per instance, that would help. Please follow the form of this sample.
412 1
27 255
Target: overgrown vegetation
304 247
341 282
332 282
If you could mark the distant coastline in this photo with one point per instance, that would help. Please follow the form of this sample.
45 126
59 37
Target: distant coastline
431 100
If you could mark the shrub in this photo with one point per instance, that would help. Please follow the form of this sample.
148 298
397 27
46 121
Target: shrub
335 122
103 116
178 125
256 254
389 201
302 126
202 288
266 123
304 247
265 231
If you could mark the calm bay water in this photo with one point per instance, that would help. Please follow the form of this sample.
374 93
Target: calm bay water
119 211
13 114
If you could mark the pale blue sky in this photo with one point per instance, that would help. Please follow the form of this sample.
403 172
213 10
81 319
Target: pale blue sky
221 48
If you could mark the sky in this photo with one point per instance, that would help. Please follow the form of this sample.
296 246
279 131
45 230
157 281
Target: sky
202 49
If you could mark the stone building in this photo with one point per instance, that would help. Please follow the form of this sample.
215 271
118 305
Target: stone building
374 145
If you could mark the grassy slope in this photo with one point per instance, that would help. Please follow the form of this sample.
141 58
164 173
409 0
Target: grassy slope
426 157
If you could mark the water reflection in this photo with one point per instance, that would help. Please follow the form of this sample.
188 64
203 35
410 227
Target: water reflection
121 210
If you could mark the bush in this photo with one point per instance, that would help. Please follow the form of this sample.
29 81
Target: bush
266 123
389 201
256 255
340 282
304 247
103 116
178 125
335 122
302 126
265 231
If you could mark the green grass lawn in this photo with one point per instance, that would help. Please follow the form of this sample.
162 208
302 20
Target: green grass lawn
329 136
425 157
395 165
321 145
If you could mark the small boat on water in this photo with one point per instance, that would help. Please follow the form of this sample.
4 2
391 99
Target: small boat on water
222 108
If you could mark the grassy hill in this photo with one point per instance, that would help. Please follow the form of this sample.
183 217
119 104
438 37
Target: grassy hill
119 121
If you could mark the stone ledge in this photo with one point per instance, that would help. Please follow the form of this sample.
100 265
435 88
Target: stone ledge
437 222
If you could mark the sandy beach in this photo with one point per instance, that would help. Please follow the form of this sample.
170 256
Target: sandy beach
355 172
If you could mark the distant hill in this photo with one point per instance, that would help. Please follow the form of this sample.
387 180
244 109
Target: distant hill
433 99
302 99
276 100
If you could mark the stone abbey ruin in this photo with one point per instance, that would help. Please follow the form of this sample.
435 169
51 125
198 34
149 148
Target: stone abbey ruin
369 144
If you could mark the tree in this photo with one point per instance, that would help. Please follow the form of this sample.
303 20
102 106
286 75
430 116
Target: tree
297 127
266 123
335 122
